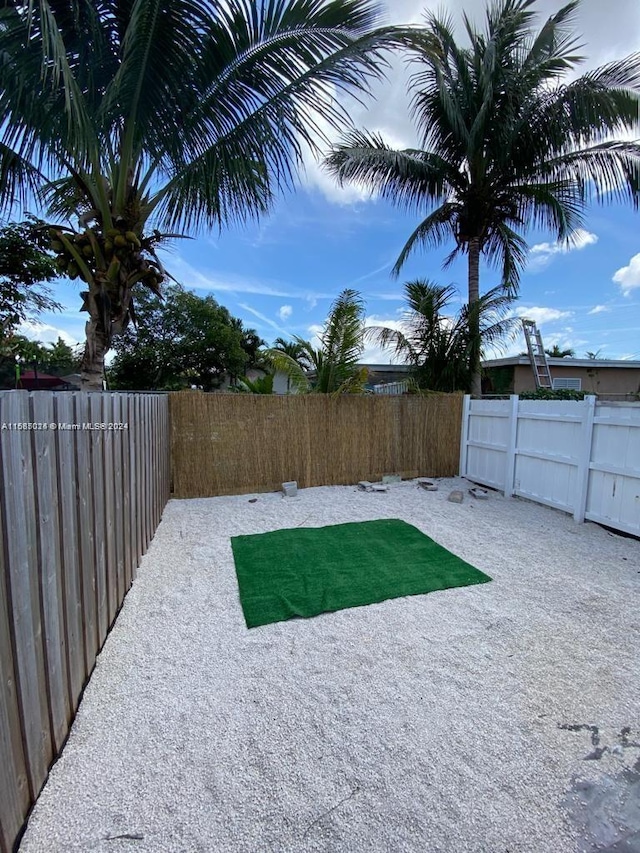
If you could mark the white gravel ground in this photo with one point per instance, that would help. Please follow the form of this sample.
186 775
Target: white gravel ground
429 724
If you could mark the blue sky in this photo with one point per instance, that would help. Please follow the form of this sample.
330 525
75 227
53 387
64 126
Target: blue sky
282 274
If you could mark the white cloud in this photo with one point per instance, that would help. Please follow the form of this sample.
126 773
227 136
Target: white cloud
541 255
599 309
192 279
285 311
606 37
542 315
47 334
629 277
314 334
375 354
265 320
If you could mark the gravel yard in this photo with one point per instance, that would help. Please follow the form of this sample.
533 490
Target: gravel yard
499 718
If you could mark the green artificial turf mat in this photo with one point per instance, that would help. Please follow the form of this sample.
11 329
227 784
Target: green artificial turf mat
309 570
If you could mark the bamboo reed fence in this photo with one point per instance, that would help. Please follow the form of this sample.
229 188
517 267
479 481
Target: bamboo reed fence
238 443
79 505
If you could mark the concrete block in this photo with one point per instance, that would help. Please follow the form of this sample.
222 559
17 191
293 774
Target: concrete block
379 487
365 485
481 494
427 485
456 497
290 489
389 479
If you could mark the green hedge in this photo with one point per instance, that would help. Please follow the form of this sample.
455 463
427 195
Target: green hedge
549 394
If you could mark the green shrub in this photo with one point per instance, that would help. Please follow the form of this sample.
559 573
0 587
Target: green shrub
549 394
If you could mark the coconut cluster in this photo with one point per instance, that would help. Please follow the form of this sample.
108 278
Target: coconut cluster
118 252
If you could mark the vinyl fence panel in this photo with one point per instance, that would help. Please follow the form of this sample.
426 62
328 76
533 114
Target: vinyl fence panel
580 457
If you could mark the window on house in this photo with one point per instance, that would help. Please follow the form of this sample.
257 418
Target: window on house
564 382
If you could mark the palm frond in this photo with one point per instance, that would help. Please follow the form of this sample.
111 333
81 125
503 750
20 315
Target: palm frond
283 363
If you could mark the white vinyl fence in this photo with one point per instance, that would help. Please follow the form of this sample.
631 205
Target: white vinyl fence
580 457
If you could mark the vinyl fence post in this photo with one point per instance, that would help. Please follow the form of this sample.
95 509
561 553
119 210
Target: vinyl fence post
584 460
510 461
464 437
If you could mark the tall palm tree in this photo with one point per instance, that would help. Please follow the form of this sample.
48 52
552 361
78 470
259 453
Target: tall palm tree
506 143
334 365
436 343
135 120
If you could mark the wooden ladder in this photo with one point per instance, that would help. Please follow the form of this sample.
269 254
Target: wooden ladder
537 355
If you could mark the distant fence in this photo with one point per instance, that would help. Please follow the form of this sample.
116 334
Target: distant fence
79 505
581 457
238 443
392 388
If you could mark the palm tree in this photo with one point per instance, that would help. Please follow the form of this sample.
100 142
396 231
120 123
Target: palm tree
506 144
260 385
133 121
557 352
436 344
295 350
334 365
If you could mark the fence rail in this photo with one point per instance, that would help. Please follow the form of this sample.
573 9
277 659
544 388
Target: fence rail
580 457
239 443
79 506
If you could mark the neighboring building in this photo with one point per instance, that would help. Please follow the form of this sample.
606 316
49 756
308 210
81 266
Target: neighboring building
611 380
392 375
31 380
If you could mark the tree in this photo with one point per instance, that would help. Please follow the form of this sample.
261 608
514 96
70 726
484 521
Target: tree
334 365
506 143
261 385
60 358
437 344
295 350
180 341
556 352
156 117
24 267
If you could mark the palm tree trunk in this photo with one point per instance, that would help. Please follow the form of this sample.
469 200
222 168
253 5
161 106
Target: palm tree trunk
474 317
92 369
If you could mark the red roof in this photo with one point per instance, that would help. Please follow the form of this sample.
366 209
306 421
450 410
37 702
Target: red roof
32 381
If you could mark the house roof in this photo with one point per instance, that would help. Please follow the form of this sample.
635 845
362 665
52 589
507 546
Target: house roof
39 381
593 363
387 368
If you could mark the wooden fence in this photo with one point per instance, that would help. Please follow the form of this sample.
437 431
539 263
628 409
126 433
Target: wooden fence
236 443
79 505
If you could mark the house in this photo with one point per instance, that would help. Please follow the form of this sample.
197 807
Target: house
608 379
387 378
31 380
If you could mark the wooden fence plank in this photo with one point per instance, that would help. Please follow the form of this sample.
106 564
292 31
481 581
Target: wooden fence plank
133 484
18 506
126 490
86 545
146 477
14 787
118 519
72 580
109 511
166 449
98 508
153 452
135 481
50 562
